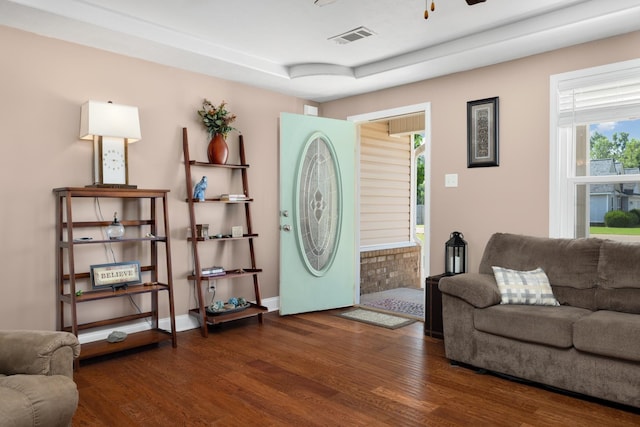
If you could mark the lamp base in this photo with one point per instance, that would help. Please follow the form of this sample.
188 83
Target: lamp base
126 186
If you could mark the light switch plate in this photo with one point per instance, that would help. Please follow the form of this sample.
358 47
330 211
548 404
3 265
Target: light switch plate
451 180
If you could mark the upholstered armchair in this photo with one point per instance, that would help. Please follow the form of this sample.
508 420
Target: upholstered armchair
36 378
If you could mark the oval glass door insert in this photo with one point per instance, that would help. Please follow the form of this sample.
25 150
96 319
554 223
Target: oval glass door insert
318 204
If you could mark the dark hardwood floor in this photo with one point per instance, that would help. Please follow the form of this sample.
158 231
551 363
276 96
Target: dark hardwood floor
315 369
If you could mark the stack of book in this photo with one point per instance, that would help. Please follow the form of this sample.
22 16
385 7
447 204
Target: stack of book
213 271
233 197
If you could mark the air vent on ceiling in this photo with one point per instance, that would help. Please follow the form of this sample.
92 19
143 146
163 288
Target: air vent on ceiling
352 35
323 2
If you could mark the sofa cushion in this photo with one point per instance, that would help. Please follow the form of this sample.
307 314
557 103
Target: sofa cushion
15 408
537 324
609 333
619 273
524 287
567 262
570 263
584 298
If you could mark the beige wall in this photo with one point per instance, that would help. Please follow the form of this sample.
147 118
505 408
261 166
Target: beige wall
514 196
43 82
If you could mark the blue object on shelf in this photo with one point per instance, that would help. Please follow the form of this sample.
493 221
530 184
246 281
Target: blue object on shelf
198 191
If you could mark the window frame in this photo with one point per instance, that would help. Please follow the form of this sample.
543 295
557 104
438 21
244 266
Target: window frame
563 181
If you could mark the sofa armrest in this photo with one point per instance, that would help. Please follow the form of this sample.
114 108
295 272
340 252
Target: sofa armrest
479 290
38 352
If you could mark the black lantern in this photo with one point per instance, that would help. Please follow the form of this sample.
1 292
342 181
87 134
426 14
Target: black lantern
455 254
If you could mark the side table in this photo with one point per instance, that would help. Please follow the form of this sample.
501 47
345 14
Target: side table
433 307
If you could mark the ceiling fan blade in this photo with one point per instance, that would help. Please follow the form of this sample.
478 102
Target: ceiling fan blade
472 2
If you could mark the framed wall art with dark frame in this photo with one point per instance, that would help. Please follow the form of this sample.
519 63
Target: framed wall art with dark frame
482 133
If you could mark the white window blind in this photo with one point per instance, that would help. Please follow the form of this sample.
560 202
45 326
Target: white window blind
600 97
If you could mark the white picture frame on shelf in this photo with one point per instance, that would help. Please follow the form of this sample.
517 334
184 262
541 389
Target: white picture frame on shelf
237 231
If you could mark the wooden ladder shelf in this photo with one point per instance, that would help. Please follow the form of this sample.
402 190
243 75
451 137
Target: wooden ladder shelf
197 207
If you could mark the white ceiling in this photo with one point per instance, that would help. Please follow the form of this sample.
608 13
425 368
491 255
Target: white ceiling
283 45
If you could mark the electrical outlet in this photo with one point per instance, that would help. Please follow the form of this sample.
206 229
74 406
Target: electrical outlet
212 288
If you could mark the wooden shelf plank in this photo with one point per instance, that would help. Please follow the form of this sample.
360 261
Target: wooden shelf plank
217 239
135 193
252 311
108 293
229 274
213 165
129 222
65 244
219 200
112 321
137 339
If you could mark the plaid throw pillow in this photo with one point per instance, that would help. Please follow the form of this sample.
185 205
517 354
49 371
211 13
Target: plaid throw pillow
524 287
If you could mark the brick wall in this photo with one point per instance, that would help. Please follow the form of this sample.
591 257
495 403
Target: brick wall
389 269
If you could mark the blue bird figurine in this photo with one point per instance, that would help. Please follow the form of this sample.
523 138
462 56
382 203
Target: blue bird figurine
198 191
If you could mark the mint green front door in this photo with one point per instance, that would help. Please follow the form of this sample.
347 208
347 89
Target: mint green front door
317 213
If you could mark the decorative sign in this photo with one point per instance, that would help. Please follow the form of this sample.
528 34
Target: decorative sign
115 275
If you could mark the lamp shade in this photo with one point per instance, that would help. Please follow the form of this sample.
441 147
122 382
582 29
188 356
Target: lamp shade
108 119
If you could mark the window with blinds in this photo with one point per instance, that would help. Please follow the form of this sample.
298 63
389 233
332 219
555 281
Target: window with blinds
385 186
594 148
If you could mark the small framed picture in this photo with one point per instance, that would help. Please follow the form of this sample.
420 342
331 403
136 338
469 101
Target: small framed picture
202 231
237 231
482 133
115 275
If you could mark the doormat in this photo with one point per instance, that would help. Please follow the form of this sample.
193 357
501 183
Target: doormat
376 318
398 306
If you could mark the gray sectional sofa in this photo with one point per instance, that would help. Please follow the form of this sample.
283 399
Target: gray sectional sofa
589 344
